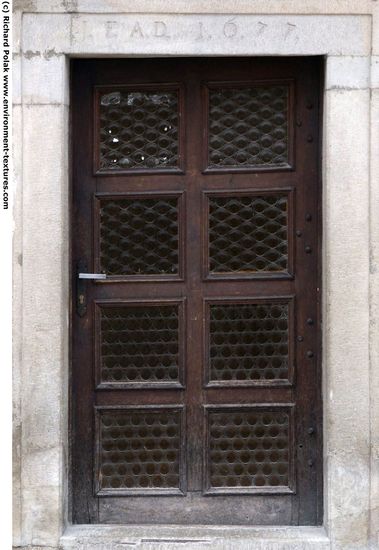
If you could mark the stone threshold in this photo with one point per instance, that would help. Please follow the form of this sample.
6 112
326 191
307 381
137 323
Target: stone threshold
193 537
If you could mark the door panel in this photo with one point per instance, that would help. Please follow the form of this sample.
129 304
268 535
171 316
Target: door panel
248 234
249 342
140 344
196 394
139 129
249 126
139 236
141 450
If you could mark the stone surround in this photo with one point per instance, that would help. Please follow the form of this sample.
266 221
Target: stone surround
46 34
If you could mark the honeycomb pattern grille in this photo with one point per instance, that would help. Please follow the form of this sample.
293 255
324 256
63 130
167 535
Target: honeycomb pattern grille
248 127
140 344
248 234
139 236
248 449
248 342
139 130
139 449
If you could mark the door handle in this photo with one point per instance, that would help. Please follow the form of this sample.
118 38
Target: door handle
92 276
81 287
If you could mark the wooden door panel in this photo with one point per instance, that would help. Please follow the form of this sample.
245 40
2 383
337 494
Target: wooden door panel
249 449
140 344
251 510
248 234
139 236
196 393
249 342
140 450
249 126
139 129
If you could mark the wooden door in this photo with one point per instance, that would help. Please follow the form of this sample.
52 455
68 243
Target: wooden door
195 361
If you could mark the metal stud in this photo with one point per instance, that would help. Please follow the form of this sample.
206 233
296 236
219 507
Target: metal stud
300 338
308 249
298 233
308 217
310 139
310 354
310 463
311 431
310 321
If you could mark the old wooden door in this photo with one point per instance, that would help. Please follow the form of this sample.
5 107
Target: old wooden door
195 381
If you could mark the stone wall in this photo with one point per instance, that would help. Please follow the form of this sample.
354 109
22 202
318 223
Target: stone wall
46 34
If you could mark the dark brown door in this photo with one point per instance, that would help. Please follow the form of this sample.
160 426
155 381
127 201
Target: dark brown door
195 381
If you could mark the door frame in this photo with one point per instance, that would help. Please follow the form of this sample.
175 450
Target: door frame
346 232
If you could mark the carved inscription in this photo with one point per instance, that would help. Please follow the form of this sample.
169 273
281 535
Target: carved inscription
204 34
225 29
230 29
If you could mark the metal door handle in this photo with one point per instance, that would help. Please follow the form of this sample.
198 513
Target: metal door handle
92 276
81 286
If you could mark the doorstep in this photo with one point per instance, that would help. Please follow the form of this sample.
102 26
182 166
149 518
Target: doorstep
192 537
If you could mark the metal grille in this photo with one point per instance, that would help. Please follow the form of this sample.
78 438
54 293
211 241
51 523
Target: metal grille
248 449
248 234
139 129
248 342
140 344
139 236
248 127
139 449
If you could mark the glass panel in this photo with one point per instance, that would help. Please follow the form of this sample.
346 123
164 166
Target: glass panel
139 344
139 236
139 129
139 449
248 127
248 342
248 234
248 449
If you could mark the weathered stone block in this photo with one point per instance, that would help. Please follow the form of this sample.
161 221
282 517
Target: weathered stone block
346 72
219 34
39 69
